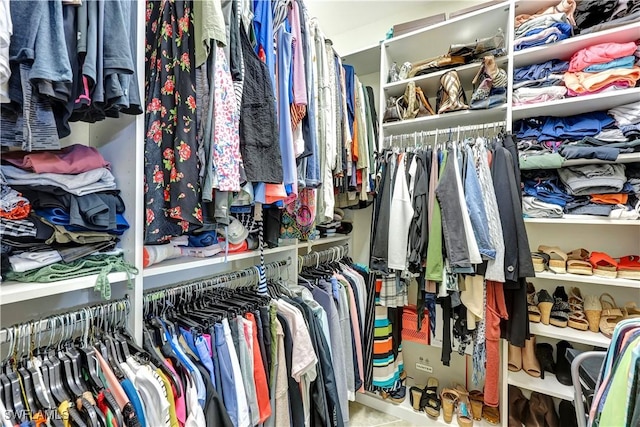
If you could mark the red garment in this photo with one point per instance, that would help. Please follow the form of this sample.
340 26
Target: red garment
496 310
259 374
73 159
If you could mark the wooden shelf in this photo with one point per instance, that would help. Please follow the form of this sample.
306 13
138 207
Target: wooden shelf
431 82
446 120
12 291
565 48
596 280
578 104
569 334
582 220
549 385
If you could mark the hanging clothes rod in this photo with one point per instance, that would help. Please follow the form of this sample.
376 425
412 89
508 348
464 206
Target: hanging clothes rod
249 276
333 254
24 336
408 138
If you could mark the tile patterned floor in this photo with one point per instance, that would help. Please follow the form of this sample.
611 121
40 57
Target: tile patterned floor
363 416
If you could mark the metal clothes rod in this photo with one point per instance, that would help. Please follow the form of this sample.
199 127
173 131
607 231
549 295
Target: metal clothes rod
407 138
170 292
333 254
25 335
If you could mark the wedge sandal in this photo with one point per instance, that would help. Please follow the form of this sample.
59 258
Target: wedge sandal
545 304
610 316
491 414
476 397
629 267
593 311
540 261
463 409
577 318
515 358
532 304
559 315
449 398
577 262
603 265
430 402
557 258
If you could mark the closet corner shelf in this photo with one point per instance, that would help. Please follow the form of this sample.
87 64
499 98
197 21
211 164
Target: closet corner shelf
405 411
324 241
597 280
549 385
577 104
12 291
565 48
365 61
446 120
569 334
431 82
582 220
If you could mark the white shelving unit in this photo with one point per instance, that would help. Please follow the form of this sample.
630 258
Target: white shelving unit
596 280
582 220
573 335
549 385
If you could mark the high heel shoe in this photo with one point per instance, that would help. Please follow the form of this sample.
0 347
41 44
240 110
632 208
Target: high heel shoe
559 315
544 354
463 409
545 303
532 304
541 411
563 367
515 358
518 407
529 362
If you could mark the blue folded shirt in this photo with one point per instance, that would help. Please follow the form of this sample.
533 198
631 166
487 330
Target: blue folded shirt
624 62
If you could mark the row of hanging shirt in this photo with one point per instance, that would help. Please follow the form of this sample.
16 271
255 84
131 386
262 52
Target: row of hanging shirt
449 216
223 357
294 358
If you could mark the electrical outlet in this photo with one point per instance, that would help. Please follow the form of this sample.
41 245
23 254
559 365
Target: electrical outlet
423 367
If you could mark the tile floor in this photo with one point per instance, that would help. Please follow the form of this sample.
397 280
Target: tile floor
363 416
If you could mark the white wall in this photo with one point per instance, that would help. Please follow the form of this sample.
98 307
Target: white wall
356 24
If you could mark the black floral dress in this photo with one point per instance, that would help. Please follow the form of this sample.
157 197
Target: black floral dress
171 187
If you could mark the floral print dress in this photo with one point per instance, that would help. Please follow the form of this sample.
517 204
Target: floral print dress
171 187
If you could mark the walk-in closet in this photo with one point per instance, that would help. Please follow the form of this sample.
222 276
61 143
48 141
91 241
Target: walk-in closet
319 213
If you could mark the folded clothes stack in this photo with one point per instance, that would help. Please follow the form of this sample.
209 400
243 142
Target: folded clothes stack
539 82
603 67
547 25
598 15
608 190
58 208
546 142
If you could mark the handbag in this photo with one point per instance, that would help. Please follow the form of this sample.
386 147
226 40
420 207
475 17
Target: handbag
451 96
424 107
473 50
409 102
491 90
393 112
432 65
394 73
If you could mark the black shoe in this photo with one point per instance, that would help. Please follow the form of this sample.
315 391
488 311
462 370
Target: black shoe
567 414
563 367
544 354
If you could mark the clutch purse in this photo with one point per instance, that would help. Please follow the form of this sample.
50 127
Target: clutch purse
432 65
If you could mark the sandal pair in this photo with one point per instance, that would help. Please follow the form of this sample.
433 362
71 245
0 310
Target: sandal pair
427 399
480 410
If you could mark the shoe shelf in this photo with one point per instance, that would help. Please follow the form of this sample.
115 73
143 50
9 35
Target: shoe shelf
597 280
404 411
431 82
12 291
365 61
446 120
549 385
577 104
569 334
565 48
583 220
